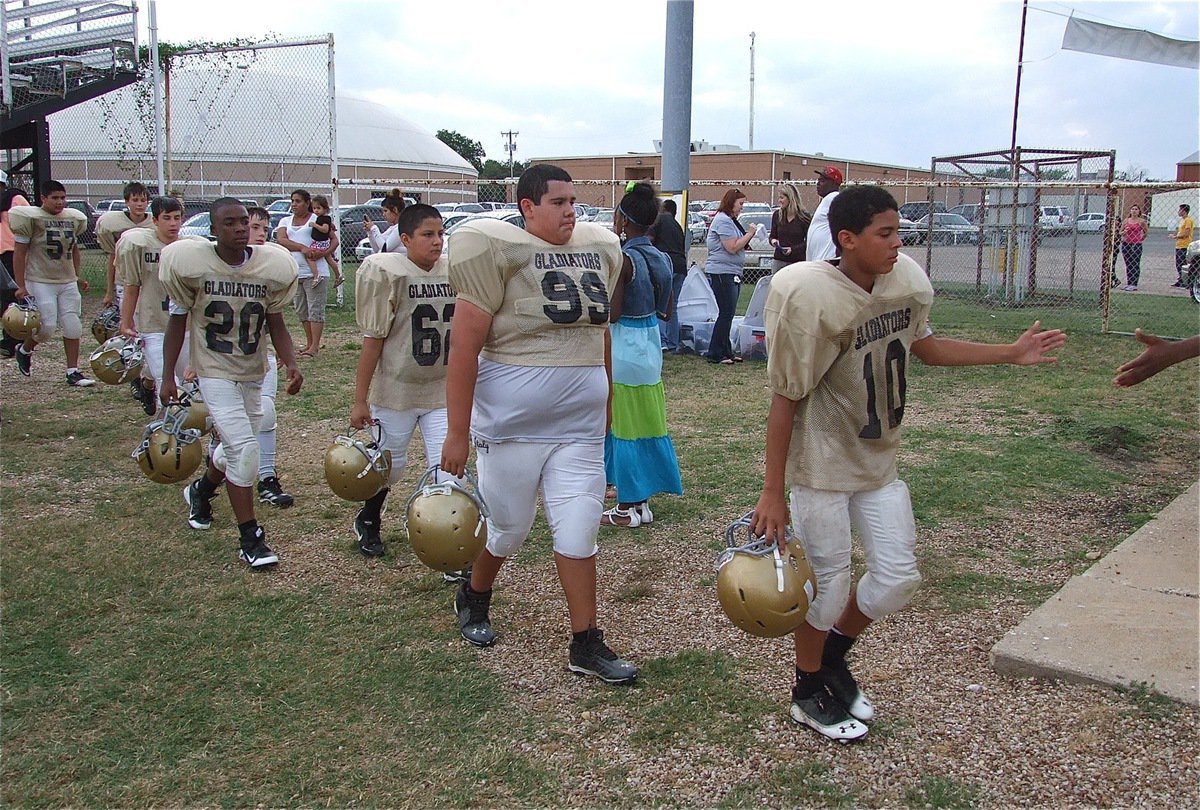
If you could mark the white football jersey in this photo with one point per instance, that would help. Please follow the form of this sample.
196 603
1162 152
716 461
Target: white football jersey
227 306
113 224
137 265
51 238
549 303
842 353
409 309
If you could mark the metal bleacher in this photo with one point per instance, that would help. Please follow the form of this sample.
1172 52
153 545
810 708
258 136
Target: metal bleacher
58 53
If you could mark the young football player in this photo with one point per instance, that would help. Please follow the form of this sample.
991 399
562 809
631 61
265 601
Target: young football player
403 303
839 334
112 225
270 490
46 266
229 292
144 304
530 356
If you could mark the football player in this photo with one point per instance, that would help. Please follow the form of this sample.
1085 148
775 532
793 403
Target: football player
112 225
530 354
46 266
229 292
144 301
403 304
839 334
270 490
109 229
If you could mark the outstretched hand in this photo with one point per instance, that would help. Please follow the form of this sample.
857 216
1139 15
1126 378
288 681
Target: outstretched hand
1035 344
1159 354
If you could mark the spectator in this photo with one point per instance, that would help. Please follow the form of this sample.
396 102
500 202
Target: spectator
295 233
388 241
638 455
10 197
789 229
667 235
1182 237
1133 234
727 241
821 246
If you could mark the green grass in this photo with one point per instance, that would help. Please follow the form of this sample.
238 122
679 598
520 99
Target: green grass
142 665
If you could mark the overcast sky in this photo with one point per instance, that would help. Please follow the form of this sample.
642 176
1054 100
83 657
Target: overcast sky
890 82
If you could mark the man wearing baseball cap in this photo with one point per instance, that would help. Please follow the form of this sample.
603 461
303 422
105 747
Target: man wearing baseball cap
820 240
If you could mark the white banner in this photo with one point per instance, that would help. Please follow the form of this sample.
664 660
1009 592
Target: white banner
1130 43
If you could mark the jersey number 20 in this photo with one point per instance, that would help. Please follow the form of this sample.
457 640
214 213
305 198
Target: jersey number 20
893 364
250 322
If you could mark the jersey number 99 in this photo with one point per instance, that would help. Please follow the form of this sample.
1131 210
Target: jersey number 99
566 303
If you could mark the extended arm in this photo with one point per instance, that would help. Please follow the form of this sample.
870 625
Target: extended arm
368 361
1031 348
1159 354
172 345
281 339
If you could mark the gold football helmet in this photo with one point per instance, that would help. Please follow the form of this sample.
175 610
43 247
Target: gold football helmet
446 522
355 469
169 453
107 323
118 360
198 417
764 590
22 320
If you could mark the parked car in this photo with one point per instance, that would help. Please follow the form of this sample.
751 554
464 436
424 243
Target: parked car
104 206
916 210
198 225
379 201
709 210
759 253
84 207
603 218
363 249
697 229
971 212
492 206
910 232
755 208
350 230
284 205
581 213
1054 219
1191 261
1092 222
948 229
505 215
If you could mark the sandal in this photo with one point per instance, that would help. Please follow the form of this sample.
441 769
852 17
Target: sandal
728 361
624 518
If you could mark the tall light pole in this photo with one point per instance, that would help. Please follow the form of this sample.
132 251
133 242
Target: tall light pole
751 91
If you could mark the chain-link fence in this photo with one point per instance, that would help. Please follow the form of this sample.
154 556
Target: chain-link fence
249 121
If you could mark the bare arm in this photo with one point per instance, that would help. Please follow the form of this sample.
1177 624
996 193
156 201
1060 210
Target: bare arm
470 330
281 339
1158 355
172 345
281 238
75 262
110 278
734 245
771 512
128 307
368 361
1031 348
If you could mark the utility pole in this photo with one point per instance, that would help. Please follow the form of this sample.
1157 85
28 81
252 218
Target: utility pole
752 91
510 147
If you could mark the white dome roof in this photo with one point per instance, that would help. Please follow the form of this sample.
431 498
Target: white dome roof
273 119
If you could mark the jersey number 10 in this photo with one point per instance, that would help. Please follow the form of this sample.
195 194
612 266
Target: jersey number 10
893 364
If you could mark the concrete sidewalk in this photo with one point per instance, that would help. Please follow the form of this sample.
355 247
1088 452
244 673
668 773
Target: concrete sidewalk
1133 617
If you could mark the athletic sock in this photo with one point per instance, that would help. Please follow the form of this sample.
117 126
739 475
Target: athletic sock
836 646
373 508
266 454
72 370
807 683
247 529
206 488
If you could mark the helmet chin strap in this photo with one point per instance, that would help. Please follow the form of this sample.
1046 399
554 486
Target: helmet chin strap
778 569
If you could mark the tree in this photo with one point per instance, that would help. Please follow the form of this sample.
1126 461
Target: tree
471 151
494 168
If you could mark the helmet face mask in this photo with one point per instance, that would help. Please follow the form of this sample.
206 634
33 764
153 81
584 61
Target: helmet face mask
169 452
107 323
22 319
118 360
446 522
763 589
357 470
